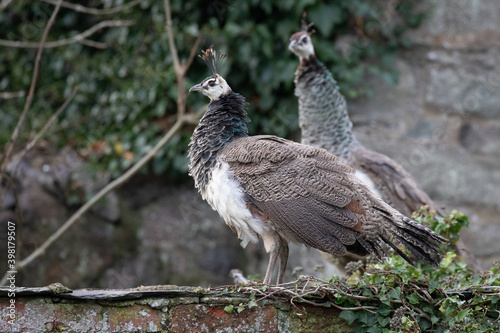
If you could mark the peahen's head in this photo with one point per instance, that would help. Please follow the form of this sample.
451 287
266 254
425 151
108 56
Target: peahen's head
214 87
301 45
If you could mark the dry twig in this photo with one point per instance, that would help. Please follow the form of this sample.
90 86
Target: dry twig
79 38
31 93
4 4
182 118
95 11
50 121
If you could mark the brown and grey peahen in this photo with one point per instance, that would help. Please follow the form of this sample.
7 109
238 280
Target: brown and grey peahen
325 123
282 191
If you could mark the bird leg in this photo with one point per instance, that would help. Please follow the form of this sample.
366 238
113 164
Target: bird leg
277 248
283 255
270 266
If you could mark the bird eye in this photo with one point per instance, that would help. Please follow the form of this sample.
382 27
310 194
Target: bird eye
211 83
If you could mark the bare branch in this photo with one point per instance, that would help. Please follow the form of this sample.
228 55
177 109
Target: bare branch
194 49
31 93
180 69
4 4
93 43
108 188
181 120
51 121
75 39
12 94
171 39
36 138
95 11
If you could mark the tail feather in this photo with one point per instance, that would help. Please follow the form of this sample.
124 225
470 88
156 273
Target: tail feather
398 250
410 224
420 253
418 239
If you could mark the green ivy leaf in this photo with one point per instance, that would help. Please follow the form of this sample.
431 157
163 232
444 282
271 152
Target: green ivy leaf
385 299
413 298
395 293
384 311
383 321
229 308
462 314
349 316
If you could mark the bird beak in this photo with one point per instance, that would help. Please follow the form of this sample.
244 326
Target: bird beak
197 87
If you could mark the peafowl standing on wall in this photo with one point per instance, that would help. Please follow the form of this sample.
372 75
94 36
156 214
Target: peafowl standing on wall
325 123
282 191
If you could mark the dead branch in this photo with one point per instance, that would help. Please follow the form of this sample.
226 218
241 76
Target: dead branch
95 11
182 119
75 39
180 69
31 93
4 4
50 121
93 43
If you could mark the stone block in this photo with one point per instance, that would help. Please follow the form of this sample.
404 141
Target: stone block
455 23
481 138
203 318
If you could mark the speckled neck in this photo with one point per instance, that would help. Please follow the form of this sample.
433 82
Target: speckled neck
224 121
323 116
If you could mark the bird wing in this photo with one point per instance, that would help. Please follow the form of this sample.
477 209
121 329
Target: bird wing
397 186
306 194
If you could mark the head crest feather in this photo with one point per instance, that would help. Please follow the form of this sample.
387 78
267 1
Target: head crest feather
305 26
211 59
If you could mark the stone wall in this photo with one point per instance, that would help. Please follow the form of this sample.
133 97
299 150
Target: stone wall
442 121
149 232
158 309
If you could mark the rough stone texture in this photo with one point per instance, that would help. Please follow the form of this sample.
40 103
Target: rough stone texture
148 233
46 312
42 190
205 318
442 121
182 240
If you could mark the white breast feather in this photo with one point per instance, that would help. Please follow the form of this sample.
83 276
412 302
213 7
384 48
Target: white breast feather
225 196
368 182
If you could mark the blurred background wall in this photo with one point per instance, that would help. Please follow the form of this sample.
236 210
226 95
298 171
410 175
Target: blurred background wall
422 83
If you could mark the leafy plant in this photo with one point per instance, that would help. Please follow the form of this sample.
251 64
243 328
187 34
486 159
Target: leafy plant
127 91
392 296
450 298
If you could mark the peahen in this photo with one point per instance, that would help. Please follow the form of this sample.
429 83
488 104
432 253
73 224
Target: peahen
282 191
325 123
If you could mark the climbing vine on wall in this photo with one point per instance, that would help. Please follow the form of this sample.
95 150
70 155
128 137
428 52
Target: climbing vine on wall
392 296
127 91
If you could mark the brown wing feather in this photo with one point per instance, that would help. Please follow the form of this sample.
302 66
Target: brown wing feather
396 185
306 192
310 196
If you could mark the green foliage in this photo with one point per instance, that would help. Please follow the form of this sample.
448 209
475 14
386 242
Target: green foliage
397 297
127 91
